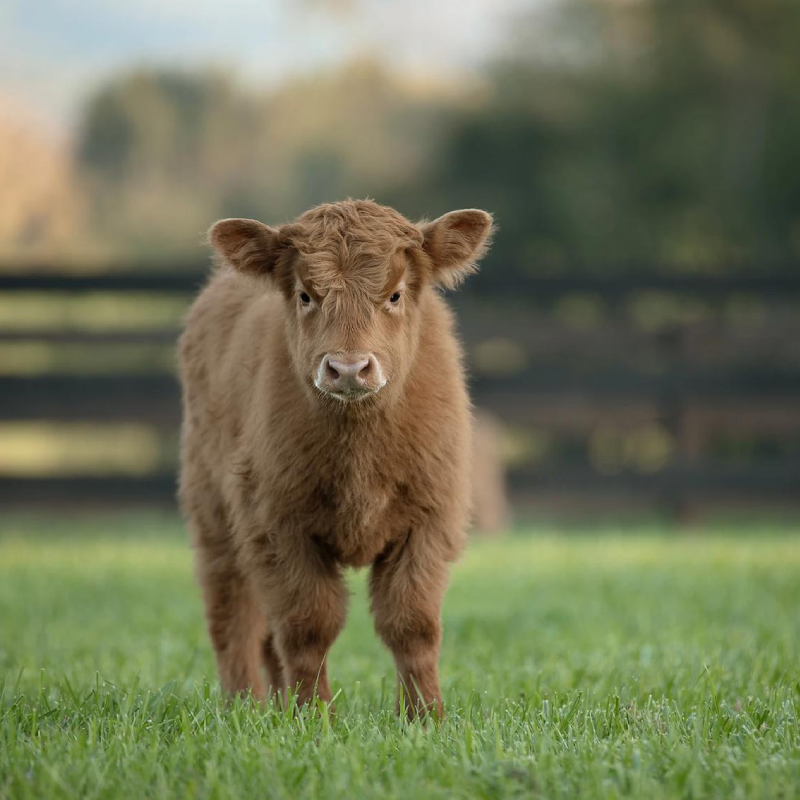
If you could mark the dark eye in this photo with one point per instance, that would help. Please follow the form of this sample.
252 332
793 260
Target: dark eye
395 298
304 298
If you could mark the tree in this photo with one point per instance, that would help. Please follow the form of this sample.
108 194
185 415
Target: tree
662 133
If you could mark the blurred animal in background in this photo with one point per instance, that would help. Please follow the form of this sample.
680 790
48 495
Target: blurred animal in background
491 512
327 424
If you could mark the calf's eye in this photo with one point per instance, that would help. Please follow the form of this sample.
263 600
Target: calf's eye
395 298
304 298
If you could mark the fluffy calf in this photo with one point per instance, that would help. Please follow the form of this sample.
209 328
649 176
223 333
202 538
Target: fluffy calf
326 425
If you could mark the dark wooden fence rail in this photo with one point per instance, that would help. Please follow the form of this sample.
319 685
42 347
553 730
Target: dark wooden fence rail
722 392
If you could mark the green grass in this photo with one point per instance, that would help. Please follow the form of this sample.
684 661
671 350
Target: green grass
647 665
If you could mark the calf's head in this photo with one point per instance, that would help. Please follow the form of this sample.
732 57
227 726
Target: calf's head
353 276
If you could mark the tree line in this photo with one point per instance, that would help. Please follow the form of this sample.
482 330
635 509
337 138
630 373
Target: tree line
610 136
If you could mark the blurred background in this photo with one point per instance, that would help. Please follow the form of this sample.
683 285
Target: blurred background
633 338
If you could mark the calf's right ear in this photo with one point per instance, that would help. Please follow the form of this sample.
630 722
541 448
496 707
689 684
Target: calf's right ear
247 245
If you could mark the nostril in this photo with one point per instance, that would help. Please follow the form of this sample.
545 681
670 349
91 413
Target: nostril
331 372
366 369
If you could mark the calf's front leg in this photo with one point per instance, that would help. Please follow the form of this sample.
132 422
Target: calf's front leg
407 590
306 602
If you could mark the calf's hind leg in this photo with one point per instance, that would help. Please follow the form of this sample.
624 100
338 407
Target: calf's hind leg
236 625
276 675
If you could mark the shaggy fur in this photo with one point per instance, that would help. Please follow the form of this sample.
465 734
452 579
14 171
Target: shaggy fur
285 485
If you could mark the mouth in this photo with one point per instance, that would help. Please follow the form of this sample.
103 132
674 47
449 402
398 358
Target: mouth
355 396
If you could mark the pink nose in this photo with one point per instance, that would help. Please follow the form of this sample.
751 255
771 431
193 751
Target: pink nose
349 375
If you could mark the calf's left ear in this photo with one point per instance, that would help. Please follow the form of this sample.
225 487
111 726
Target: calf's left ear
455 243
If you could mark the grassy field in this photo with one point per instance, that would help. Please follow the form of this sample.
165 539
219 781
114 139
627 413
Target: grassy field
645 665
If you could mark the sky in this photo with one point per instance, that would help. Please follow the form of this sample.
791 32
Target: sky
53 53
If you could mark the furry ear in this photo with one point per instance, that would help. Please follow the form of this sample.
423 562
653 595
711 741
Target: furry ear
247 245
455 243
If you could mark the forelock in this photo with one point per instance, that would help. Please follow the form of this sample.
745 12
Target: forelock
348 245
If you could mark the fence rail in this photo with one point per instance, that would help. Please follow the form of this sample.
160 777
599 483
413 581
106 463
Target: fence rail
711 401
185 278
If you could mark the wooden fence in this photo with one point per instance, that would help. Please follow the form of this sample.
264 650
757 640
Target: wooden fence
676 394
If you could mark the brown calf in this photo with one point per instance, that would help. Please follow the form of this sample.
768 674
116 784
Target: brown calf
326 424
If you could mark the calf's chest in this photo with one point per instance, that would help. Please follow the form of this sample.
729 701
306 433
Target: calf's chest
355 508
